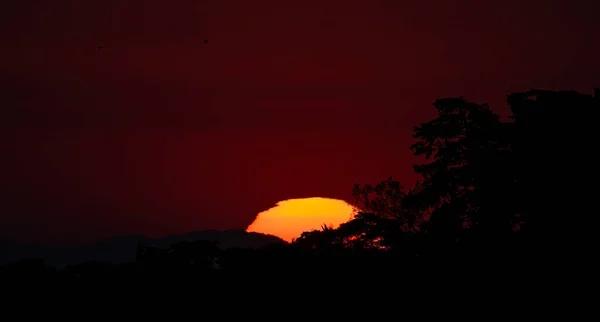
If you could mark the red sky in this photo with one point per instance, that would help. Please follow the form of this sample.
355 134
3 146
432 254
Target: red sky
159 133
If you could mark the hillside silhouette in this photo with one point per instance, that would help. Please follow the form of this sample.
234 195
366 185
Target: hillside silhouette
123 249
491 191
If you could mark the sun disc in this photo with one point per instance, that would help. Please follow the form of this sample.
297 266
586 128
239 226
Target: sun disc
289 218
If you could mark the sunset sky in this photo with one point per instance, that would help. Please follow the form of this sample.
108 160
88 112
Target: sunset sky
159 133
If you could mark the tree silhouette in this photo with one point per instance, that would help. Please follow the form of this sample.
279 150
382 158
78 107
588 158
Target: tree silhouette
468 180
553 145
326 238
386 200
199 254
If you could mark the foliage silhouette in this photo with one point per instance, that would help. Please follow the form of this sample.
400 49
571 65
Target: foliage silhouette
469 178
553 147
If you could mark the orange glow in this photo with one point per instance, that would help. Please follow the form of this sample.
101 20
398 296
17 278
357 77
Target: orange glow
291 217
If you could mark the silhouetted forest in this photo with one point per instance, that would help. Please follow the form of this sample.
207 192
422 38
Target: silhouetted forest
491 191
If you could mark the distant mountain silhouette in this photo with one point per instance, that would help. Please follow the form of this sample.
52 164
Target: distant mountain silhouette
123 248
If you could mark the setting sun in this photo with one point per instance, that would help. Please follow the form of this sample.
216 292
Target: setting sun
289 218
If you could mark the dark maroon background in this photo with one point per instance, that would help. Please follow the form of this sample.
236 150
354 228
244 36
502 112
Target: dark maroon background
159 133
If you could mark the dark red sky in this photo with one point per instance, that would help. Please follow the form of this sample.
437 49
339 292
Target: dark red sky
159 133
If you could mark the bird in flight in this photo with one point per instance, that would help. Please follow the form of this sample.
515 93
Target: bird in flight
206 41
99 47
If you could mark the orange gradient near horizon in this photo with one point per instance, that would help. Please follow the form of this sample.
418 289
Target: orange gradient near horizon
289 218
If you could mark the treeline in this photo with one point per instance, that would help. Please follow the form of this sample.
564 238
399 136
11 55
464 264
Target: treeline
490 190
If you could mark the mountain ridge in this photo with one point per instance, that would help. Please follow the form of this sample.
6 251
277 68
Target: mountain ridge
121 249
